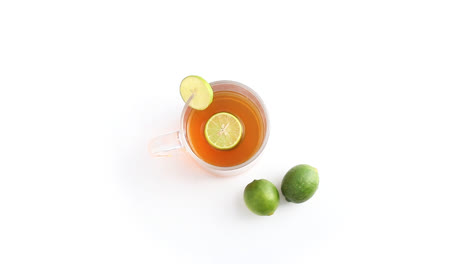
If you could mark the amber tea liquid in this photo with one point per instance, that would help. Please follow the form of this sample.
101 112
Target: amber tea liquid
247 113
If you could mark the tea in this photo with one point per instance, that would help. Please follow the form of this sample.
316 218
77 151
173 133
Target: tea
248 114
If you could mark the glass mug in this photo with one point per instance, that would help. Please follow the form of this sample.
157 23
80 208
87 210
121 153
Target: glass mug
178 141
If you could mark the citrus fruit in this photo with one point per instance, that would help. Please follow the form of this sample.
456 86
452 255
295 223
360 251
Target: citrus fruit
300 183
223 131
261 197
199 88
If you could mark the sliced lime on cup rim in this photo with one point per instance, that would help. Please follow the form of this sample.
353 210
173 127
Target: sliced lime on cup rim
198 89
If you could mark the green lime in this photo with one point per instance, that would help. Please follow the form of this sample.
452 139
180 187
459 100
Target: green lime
199 88
300 183
223 131
261 197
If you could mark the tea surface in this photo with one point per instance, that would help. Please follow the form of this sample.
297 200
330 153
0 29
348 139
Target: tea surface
248 114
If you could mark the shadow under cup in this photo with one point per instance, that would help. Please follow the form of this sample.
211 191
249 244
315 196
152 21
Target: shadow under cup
248 96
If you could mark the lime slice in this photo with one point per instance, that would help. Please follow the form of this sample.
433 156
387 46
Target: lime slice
223 131
201 90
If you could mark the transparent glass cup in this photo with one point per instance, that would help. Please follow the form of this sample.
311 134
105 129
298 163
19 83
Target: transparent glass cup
168 144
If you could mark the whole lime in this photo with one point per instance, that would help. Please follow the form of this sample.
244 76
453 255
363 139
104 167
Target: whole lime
300 183
261 197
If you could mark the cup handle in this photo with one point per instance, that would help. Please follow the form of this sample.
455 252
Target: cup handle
165 145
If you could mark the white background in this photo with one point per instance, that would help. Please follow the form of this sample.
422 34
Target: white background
372 93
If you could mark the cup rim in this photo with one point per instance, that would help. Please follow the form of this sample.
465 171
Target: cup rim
245 163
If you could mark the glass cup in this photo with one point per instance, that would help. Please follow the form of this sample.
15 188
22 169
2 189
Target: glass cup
168 144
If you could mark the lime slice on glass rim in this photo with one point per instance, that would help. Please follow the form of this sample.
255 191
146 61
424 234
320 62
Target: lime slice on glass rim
197 88
223 131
